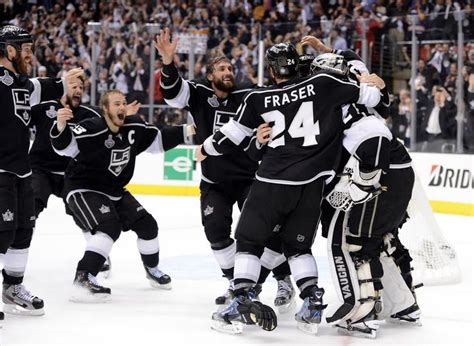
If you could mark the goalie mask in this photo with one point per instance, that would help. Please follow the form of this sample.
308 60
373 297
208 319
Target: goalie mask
11 35
282 58
330 62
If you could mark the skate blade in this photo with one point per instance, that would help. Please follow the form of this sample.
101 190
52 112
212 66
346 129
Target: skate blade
80 295
14 309
308 328
372 334
283 309
155 284
400 322
235 327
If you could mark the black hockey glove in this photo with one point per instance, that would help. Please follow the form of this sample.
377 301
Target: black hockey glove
258 313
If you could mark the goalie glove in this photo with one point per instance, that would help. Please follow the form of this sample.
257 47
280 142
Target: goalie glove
258 313
355 187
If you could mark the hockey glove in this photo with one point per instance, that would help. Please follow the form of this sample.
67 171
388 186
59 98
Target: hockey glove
258 313
355 187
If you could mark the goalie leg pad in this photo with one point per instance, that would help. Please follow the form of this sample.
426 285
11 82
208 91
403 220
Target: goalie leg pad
396 296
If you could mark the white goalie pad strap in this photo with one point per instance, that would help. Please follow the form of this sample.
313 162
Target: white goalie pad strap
15 262
225 257
100 243
366 291
303 266
247 266
271 259
148 247
342 269
396 296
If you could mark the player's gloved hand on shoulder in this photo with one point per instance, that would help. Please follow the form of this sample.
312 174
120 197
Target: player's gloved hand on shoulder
258 313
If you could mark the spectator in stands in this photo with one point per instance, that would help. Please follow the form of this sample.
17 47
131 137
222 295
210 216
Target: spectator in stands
441 119
336 41
138 82
42 72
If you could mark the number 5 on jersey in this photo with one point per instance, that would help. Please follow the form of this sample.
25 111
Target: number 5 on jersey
302 126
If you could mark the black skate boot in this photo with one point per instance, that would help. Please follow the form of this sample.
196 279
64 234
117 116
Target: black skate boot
19 301
157 278
106 268
310 314
88 289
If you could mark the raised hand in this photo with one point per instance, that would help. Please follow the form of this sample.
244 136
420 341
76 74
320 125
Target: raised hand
71 77
165 47
315 43
132 108
62 117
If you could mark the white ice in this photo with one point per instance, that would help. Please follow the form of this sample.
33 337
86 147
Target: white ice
141 315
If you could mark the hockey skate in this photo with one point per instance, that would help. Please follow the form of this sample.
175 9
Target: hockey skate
310 314
410 316
157 278
243 310
88 290
228 295
106 268
19 301
285 298
365 329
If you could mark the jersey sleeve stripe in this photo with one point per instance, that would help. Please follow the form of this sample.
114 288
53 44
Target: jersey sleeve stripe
35 97
181 100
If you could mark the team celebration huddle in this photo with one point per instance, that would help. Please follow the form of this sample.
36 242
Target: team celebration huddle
311 151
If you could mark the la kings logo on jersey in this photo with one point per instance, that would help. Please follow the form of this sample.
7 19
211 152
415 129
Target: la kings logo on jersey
118 160
222 118
21 104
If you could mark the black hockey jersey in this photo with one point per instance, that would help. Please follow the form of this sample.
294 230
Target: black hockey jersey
306 119
18 95
104 161
209 114
42 155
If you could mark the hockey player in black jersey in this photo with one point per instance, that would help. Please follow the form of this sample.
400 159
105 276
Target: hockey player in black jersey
18 95
300 159
49 167
226 179
104 151
364 244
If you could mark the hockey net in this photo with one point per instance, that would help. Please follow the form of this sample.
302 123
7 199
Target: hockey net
435 261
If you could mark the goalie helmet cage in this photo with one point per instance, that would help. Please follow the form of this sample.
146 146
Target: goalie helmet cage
435 261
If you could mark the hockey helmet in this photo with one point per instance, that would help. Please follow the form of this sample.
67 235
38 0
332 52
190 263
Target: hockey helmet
14 36
330 62
304 64
283 59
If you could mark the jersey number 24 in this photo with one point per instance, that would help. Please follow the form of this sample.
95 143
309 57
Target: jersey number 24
302 126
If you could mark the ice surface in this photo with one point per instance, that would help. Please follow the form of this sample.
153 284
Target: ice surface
141 315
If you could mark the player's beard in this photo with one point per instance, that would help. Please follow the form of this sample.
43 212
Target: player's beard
73 102
225 86
21 65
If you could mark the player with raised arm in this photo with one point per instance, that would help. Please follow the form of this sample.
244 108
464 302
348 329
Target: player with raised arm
104 151
301 158
225 179
17 221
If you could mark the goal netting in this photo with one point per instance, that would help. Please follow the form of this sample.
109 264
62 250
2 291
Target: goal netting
435 261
